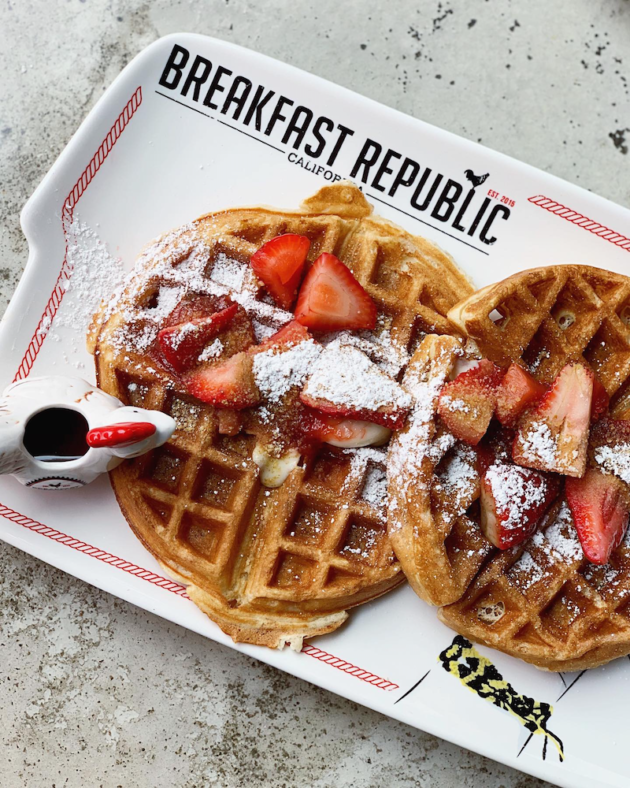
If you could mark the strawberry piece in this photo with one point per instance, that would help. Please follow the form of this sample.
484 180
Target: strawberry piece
600 401
466 404
345 382
194 306
599 506
391 417
331 299
513 500
279 264
342 432
291 334
229 384
516 392
182 344
553 436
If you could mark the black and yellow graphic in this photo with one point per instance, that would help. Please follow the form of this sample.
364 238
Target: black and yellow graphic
480 676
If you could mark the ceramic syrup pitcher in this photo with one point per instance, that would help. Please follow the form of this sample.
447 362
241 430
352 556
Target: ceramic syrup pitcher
58 432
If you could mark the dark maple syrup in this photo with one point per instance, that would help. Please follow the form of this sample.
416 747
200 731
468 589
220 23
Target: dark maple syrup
56 435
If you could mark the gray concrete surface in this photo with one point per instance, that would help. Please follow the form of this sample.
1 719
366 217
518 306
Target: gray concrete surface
97 693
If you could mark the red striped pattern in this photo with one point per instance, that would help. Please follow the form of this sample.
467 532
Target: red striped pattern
348 667
67 214
582 221
93 552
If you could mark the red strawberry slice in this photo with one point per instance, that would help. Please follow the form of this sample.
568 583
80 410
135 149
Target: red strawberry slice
553 436
342 432
517 391
230 384
599 404
291 334
345 382
391 417
182 344
513 500
194 305
599 505
279 264
466 404
331 299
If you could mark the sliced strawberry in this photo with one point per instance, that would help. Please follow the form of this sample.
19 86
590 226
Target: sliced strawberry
345 433
517 391
599 506
513 500
466 404
553 436
599 404
331 299
194 306
279 264
291 334
182 344
230 384
345 382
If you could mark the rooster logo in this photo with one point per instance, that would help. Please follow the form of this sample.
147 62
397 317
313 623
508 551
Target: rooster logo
476 180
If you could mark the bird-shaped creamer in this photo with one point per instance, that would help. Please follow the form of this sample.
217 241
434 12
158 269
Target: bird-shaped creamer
58 432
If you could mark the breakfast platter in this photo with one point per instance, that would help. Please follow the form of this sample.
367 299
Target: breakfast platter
383 354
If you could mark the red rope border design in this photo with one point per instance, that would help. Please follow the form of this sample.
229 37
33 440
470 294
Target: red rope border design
348 667
93 552
582 221
173 587
67 214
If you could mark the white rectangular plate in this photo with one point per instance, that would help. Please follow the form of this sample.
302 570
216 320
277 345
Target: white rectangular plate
152 155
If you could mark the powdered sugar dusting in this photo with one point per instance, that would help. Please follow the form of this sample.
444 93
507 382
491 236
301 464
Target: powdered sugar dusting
213 350
416 443
538 445
525 572
515 493
278 370
615 460
561 536
94 274
345 376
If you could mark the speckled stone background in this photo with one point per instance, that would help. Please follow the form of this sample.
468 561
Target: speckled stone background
96 693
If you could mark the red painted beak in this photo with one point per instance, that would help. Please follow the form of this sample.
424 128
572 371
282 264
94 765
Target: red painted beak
124 434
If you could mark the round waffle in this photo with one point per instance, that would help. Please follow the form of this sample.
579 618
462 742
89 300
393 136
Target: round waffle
270 566
541 601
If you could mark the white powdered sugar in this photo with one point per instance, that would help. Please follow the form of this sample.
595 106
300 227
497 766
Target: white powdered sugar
525 572
213 351
562 536
615 460
412 447
277 371
183 264
514 493
538 445
389 356
345 376
94 273
374 489
459 473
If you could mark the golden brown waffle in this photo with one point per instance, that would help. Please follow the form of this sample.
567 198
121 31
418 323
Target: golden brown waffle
543 601
433 486
269 566
546 317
